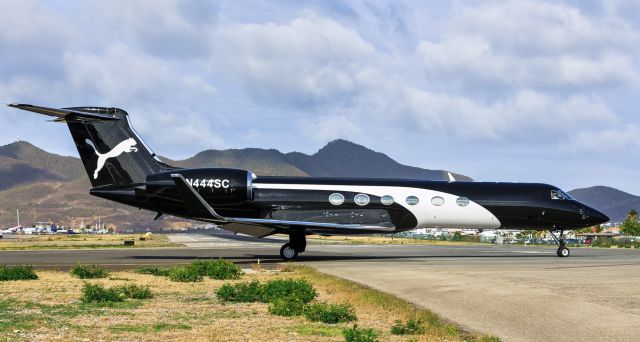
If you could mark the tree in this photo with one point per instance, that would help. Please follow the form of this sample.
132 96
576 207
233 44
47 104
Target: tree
631 225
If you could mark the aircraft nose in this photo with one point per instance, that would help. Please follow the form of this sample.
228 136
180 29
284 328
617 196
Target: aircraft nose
595 217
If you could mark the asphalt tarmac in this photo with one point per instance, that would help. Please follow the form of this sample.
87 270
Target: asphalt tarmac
515 293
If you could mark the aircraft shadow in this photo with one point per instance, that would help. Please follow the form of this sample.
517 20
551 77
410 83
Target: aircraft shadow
271 258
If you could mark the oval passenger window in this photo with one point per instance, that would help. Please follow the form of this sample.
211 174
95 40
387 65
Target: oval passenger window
412 200
361 199
386 200
437 201
462 201
336 199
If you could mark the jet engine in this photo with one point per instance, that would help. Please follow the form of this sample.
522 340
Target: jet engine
224 187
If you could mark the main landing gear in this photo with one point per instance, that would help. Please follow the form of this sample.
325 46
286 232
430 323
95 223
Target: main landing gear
297 244
563 250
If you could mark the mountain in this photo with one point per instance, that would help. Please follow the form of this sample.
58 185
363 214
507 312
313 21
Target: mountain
339 158
50 187
613 202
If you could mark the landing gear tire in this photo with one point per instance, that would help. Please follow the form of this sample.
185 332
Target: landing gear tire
563 252
287 252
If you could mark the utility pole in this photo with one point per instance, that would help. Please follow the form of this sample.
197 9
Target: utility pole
18 216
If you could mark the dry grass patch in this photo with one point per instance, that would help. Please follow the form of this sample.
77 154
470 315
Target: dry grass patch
86 241
387 240
50 309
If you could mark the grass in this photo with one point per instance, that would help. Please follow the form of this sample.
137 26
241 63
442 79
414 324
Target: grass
50 309
196 271
287 307
17 273
410 327
81 241
148 328
355 334
88 272
244 292
330 313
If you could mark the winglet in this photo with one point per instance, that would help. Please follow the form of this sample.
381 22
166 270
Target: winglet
451 178
196 205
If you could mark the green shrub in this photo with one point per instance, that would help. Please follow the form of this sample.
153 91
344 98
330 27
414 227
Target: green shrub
154 270
216 269
287 288
330 313
245 292
88 272
356 334
288 307
411 327
17 273
603 242
135 291
184 274
96 293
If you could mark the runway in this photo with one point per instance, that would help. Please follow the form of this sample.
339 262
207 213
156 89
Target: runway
516 293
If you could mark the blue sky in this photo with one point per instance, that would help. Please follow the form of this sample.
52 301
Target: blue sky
497 90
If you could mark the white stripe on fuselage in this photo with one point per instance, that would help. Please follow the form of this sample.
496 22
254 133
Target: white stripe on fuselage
448 215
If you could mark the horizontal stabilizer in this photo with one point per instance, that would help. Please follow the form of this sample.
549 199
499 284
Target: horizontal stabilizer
65 114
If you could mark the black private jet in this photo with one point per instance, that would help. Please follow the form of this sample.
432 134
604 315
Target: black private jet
122 168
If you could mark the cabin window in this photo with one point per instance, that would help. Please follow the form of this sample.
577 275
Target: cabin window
336 199
560 195
462 201
361 199
386 200
412 200
437 201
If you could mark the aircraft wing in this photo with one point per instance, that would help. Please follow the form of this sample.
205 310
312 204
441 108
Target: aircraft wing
198 207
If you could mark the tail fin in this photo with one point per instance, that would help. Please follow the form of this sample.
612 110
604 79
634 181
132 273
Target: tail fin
111 151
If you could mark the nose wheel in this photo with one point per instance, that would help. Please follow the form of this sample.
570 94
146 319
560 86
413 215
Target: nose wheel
563 251
296 245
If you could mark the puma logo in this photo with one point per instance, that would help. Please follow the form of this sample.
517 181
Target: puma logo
127 146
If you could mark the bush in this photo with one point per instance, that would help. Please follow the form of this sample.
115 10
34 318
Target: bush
411 327
287 288
17 273
96 293
288 307
241 292
603 242
88 272
184 274
134 291
154 270
216 269
330 313
356 334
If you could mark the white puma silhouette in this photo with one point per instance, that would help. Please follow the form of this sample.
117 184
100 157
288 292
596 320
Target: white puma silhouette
125 146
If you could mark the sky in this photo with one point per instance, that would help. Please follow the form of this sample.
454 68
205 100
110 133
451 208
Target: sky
529 91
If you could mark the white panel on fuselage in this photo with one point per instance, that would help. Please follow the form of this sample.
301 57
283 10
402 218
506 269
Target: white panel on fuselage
448 215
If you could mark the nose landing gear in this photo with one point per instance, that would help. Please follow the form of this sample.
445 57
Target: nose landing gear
297 244
563 251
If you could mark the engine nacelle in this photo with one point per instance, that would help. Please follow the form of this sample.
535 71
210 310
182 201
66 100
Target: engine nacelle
223 187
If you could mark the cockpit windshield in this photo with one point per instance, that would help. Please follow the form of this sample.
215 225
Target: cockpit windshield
560 195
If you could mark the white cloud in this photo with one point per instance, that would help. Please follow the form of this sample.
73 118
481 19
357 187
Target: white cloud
626 139
531 44
308 61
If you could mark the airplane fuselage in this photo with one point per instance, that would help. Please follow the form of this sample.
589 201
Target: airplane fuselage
399 204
